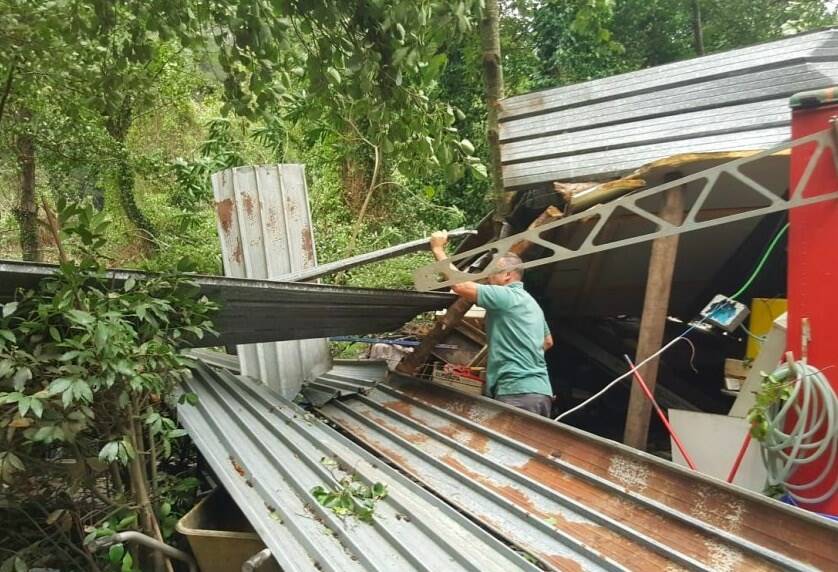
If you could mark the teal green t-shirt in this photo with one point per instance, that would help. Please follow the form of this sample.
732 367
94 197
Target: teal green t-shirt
516 329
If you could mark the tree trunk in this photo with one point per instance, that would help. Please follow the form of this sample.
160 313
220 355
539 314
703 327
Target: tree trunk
117 127
125 188
26 211
698 32
140 489
493 80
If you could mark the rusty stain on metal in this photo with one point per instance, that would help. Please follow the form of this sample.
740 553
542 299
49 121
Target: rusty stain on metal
308 244
684 521
271 222
225 210
604 540
238 251
248 204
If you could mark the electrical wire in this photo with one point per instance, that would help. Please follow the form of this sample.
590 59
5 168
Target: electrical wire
694 325
692 354
761 263
808 439
759 339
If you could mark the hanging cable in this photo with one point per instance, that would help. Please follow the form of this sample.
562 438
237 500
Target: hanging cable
759 339
757 269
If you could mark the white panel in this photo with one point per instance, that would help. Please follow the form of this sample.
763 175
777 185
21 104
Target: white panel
713 442
264 223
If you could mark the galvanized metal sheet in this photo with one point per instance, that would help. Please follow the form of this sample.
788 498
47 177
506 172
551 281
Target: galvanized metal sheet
268 453
814 46
771 84
345 377
261 310
621 504
264 225
735 100
605 164
651 131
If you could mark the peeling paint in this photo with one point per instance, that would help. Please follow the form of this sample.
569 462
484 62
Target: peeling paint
722 557
631 474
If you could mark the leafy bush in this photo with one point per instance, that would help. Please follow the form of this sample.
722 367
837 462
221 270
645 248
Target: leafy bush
87 369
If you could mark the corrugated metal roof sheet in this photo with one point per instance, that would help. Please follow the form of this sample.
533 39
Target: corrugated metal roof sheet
735 100
268 453
261 310
264 224
344 378
576 501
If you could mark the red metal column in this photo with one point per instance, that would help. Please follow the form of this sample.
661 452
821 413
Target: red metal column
813 262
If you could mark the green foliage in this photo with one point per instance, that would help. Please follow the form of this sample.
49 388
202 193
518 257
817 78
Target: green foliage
575 42
772 392
87 371
350 497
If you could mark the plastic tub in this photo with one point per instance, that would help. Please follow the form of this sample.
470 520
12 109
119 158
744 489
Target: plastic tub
220 536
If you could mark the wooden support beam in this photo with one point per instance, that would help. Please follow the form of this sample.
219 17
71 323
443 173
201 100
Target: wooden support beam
413 361
653 320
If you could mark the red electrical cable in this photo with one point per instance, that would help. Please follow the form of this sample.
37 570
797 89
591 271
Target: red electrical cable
661 414
742 450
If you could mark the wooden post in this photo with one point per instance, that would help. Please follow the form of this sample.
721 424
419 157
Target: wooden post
653 321
458 309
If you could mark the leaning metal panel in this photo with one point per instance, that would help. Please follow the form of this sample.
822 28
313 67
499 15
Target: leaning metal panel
264 225
442 274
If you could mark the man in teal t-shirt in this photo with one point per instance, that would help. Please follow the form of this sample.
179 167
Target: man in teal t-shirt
518 334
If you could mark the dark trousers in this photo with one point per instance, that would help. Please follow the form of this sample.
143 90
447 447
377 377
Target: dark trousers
532 402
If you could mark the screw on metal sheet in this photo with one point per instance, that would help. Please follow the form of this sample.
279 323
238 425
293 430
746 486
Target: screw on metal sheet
273 514
237 467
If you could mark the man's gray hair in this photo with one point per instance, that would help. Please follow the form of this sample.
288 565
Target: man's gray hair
510 262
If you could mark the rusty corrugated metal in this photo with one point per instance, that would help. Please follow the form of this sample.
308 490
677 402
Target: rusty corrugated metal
574 500
264 225
269 454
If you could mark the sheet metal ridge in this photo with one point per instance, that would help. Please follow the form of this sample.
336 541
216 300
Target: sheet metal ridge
268 453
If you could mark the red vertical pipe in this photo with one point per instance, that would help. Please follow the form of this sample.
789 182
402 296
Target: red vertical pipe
813 263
